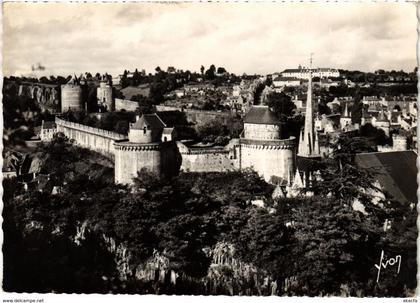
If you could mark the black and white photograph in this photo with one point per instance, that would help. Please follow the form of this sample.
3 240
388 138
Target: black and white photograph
209 149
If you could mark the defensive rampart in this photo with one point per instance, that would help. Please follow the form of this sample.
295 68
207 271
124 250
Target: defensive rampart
127 105
205 159
95 139
201 116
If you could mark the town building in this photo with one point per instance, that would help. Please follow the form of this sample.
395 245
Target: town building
326 123
382 122
396 172
345 119
286 81
303 73
48 130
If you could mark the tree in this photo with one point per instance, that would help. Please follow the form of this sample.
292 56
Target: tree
339 175
212 128
221 70
122 127
210 73
356 109
202 68
281 104
332 245
124 80
374 135
145 105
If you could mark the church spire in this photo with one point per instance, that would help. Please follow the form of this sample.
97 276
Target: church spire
306 146
346 111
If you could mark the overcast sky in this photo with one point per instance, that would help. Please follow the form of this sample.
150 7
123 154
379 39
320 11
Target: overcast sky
242 37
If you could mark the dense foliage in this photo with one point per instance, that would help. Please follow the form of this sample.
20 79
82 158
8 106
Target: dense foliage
320 243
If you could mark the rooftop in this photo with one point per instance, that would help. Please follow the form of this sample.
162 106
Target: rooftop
286 79
151 120
261 114
397 172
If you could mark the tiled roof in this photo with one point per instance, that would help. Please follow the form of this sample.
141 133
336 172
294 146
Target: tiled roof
382 117
261 114
151 120
167 130
294 70
397 172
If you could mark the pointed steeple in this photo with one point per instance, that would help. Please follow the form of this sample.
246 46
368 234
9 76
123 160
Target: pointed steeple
306 149
382 117
297 181
346 111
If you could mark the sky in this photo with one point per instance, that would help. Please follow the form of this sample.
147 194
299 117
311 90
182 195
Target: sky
250 38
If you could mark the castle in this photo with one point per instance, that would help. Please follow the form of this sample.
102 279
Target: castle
151 145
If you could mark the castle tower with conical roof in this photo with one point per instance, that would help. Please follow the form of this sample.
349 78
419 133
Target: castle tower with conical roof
145 150
262 147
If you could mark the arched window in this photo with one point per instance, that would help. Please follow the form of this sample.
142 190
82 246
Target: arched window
144 129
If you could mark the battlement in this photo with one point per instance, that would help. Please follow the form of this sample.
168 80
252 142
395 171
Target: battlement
90 130
199 151
128 146
269 144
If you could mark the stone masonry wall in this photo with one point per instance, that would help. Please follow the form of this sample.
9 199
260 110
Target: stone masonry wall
127 105
205 160
267 160
95 139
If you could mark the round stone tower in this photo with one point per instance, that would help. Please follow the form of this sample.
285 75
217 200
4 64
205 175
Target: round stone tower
145 150
104 94
262 147
72 95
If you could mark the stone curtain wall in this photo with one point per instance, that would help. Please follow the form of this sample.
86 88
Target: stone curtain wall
127 105
95 139
205 160
200 116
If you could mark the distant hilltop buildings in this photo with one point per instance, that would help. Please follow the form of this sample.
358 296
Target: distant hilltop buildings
151 146
303 73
